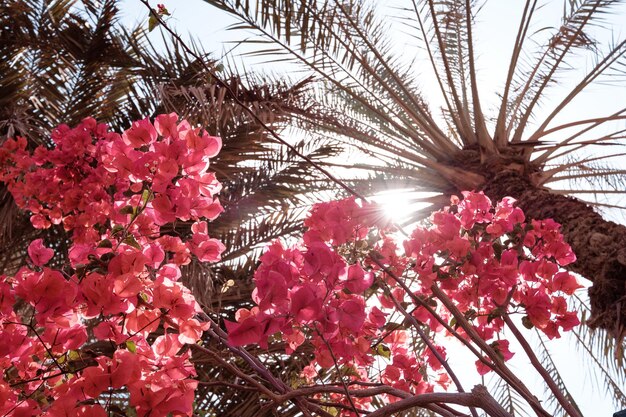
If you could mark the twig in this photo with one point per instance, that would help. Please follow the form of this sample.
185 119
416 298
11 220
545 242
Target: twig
343 382
501 367
432 348
218 334
567 406
237 372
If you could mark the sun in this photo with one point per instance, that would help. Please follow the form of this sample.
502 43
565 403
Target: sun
402 205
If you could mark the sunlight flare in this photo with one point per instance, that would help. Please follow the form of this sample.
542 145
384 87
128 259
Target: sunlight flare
402 205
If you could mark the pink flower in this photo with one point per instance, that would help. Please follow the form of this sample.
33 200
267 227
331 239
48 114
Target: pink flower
111 193
358 280
39 254
474 208
244 332
483 368
502 348
306 305
213 145
207 249
568 321
190 331
141 133
166 124
352 313
566 282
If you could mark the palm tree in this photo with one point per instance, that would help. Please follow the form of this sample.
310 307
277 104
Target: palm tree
369 96
66 59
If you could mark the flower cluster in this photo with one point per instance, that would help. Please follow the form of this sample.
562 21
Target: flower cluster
339 290
113 318
318 291
491 262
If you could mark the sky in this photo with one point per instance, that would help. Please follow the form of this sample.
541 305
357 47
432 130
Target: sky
494 34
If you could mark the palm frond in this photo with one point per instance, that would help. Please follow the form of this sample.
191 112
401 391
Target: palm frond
597 343
507 397
548 363
570 36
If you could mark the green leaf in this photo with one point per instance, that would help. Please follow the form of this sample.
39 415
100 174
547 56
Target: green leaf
431 302
331 410
391 326
348 371
453 323
131 346
130 241
145 197
494 315
527 323
153 22
117 229
106 243
497 249
384 351
470 314
106 257
81 269
127 210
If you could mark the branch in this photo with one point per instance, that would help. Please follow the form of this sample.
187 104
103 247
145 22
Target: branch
430 345
479 397
498 365
567 406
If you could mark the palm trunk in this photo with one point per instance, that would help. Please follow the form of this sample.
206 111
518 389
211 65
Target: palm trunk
599 245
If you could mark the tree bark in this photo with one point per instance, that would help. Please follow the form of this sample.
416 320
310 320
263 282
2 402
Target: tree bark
599 245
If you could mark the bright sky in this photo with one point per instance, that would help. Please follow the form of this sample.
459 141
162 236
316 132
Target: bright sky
207 24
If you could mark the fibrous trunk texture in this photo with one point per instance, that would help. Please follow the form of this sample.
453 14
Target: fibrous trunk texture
599 245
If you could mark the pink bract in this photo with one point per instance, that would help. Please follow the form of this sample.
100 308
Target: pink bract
113 194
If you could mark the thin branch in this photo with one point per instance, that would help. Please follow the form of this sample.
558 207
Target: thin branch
509 376
567 406
501 369
429 343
